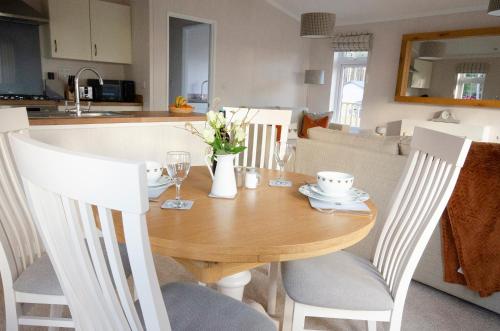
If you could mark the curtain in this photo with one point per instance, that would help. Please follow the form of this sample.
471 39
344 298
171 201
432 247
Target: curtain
472 68
352 42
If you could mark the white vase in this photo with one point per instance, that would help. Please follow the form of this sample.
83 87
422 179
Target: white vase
223 180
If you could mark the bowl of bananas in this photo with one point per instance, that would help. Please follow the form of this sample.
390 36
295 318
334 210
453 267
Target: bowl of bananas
180 106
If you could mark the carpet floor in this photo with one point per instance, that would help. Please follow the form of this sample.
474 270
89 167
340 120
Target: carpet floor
425 309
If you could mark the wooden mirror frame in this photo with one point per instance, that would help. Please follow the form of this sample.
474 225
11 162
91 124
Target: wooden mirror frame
405 61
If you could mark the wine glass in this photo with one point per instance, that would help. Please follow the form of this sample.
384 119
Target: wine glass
282 154
178 165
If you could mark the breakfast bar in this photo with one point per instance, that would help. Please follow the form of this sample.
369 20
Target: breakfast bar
141 135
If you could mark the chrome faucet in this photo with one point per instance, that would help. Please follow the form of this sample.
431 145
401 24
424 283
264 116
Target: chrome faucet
201 92
77 88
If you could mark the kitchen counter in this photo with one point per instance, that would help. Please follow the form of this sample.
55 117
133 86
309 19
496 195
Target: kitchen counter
143 136
55 103
128 117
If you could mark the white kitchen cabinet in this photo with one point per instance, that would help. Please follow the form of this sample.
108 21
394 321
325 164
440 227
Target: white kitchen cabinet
91 30
70 29
110 32
421 78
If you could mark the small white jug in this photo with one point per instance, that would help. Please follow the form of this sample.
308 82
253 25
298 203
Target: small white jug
223 181
252 178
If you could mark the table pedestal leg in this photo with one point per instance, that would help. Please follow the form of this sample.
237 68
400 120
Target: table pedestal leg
234 285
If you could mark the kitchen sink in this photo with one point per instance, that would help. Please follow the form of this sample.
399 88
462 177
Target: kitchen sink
62 114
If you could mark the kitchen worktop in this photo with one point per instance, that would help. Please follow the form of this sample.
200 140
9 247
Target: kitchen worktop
128 117
56 103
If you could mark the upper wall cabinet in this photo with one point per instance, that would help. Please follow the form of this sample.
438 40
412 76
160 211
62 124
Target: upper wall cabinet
111 32
70 29
90 30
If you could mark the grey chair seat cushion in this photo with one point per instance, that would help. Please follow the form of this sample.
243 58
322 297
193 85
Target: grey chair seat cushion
340 280
40 277
193 307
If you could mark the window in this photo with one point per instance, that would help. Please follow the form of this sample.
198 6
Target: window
348 87
470 86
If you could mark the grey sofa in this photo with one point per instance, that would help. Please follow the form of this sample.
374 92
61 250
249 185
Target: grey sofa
377 164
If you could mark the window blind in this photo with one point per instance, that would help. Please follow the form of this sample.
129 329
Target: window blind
472 68
352 42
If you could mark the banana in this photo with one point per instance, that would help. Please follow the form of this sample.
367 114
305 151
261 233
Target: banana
180 101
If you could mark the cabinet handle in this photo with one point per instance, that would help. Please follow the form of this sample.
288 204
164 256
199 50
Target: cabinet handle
95 49
55 45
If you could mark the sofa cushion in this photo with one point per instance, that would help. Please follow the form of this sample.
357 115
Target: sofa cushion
374 143
310 122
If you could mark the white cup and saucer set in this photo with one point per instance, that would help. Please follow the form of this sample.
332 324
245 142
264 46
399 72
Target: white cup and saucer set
157 182
154 175
335 187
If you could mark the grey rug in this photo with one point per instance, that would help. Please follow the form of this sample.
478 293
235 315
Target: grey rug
425 309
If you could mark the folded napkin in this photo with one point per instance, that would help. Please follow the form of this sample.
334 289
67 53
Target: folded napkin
155 192
347 206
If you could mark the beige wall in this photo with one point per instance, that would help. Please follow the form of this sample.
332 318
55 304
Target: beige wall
379 106
260 58
139 70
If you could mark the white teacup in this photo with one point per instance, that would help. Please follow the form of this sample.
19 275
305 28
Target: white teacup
154 171
334 183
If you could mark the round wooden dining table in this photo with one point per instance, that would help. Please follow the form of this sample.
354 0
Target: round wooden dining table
220 240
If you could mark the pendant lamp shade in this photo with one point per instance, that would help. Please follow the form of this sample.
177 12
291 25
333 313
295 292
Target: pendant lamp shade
494 8
317 25
432 50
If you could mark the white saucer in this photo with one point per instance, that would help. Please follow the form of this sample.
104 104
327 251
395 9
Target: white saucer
353 195
317 189
163 180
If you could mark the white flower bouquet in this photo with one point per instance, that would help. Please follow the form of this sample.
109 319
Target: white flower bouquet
223 135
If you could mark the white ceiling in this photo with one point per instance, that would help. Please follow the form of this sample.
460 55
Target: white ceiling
367 11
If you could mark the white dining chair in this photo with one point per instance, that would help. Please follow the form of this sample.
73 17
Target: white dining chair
262 135
342 285
27 273
66 192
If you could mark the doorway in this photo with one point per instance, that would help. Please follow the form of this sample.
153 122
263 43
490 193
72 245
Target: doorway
190 61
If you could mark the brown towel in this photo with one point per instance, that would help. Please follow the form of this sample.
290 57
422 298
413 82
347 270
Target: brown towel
470 225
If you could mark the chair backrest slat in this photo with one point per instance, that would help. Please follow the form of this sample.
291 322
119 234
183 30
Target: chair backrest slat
405 213
254 144
261 133
245 152
263 147
408 228
400 200
99 264
20 241
422 193
108 229
272 141
63 199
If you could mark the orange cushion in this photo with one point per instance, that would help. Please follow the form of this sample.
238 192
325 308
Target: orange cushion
278 133
309 122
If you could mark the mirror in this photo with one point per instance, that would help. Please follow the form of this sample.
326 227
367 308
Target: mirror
451 68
